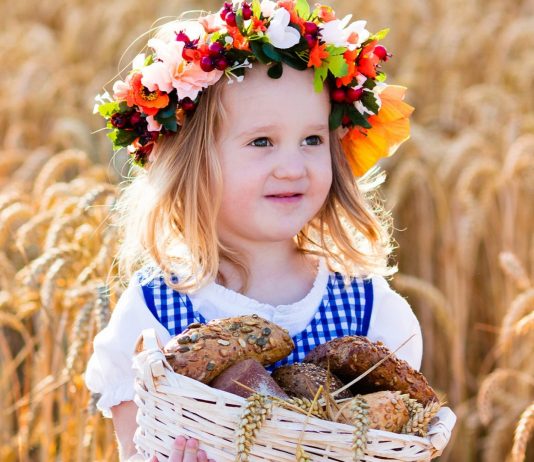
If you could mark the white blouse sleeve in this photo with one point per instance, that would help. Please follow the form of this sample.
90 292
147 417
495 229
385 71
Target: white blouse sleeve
109 370
393 322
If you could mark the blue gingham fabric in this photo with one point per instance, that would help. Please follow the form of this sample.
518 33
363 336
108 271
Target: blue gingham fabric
345 310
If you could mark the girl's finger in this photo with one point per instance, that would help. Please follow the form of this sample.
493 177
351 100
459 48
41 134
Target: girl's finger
202 456
178 449
191 448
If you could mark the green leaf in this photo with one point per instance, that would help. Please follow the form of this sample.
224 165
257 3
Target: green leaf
380 76
108 109
357 118
149 60
380 35
319 77
336 114
334 51
368 99
257 49
239 20
271 52
369 84
256 8
337 65
294 61
169 123
121 138
303 9
275 71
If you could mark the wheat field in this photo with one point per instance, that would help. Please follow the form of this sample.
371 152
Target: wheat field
461 192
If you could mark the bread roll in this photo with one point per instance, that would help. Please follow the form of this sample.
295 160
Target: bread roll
302 380
351 356
251 373
386 411
203 351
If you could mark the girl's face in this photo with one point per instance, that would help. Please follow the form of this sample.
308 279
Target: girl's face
274 151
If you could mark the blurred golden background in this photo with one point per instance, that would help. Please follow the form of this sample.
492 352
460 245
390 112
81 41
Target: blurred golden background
461 191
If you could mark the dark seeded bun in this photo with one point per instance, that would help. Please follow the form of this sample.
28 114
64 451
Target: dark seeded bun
302 380
350 356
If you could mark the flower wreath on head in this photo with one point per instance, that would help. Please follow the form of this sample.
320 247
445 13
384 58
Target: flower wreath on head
165 86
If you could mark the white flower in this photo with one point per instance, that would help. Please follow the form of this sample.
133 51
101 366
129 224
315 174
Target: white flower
138 62
380 86
267 8
337 33
280 34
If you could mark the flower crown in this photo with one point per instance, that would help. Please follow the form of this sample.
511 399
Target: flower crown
164 87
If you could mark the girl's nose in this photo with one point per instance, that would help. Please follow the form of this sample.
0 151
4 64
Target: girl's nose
290 166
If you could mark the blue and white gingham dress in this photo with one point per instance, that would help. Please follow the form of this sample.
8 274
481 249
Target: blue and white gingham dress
344 310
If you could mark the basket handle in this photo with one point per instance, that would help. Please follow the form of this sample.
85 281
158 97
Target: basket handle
148 340
440 431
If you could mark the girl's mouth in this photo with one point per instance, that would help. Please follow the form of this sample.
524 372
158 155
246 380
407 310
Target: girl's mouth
285 198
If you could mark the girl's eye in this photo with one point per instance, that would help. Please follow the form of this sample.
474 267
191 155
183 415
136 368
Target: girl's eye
316 140
260 142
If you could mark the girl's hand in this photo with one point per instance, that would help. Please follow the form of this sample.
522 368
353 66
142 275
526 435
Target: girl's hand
186 450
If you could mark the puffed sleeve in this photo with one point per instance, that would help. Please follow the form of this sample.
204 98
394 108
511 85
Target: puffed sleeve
109 370
393 321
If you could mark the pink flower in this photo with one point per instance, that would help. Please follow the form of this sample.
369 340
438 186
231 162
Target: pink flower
172 71
121 88
212 23
152 124
157 76
191 79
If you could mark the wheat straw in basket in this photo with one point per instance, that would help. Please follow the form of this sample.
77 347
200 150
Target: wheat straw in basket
171 404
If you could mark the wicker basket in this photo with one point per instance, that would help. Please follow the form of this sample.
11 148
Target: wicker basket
171 404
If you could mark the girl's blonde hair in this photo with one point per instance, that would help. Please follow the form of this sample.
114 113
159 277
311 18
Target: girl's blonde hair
167 214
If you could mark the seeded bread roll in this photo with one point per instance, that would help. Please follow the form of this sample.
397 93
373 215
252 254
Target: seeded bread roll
351 356
203 351
302 380
386 410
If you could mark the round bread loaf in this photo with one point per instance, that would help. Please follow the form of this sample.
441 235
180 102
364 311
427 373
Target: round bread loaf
203 351
350 356
386 411
302 380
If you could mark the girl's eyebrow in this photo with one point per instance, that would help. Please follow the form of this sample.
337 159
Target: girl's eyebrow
253 130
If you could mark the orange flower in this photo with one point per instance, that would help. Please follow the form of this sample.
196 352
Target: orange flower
240 42
258 25
368 60
317 54
149 101
326 13
390 128
352 71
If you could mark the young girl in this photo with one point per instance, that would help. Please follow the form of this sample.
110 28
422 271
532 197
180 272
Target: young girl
247 199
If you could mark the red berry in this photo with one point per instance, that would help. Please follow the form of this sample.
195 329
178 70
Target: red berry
353 94
118 120
381 53
135 118
310 28
230 19
206 63
345 120
221 63
338 95
187 104
247 11
310 39
215 49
